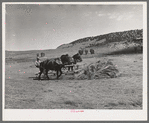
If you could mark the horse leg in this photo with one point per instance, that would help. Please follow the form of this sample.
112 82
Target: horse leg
57 74
72 68
60 72
68 68
41 71
47 73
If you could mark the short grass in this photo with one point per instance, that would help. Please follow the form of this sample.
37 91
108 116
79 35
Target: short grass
23 92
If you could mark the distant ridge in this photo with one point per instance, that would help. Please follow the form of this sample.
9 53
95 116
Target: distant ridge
104 39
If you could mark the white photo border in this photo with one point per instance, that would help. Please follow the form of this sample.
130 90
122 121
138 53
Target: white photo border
85 115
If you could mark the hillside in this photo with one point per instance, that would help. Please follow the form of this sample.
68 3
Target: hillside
102 44
105 39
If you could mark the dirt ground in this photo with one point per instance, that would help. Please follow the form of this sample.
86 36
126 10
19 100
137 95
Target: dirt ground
123 92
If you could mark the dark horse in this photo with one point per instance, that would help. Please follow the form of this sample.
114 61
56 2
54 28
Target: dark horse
67 60
50 64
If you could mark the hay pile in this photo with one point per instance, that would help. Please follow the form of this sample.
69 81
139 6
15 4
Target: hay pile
100 69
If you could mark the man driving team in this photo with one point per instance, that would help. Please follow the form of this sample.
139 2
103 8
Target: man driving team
40 59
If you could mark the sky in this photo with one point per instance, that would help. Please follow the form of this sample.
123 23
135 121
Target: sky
47 26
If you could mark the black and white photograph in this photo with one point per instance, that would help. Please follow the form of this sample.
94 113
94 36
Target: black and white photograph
74 61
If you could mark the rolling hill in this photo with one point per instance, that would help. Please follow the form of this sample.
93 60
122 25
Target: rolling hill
105 40
118 42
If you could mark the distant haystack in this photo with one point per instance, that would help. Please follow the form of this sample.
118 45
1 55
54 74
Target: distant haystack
101 69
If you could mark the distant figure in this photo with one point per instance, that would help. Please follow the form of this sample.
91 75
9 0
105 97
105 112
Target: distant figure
42 54
43 57
80 52
86 51
92 51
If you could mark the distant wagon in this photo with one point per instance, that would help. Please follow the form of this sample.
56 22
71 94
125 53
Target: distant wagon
92 51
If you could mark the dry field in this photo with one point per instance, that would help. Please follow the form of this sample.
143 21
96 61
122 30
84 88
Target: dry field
22 91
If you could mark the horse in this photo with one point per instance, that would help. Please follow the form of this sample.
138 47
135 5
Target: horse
67 60
50 64
77 58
